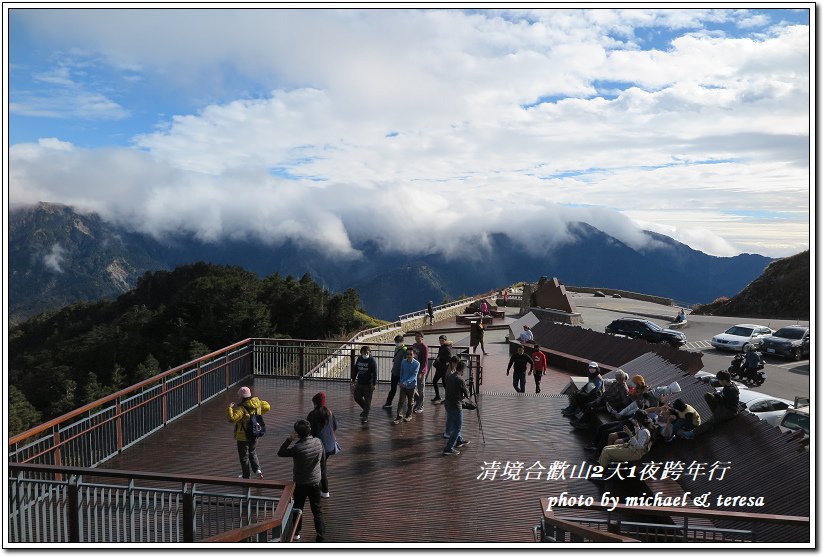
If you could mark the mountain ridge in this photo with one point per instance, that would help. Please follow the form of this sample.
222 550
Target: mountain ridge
59 256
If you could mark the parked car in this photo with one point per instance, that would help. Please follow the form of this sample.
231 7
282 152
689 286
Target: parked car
795 419
767 407
788 342
738 337
634 327
710 379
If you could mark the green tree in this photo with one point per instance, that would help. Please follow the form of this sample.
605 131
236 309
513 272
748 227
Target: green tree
22 414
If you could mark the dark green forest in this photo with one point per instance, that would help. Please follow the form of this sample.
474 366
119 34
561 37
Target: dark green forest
61 360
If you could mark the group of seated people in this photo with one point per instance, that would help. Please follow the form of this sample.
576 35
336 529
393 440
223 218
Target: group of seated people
642 415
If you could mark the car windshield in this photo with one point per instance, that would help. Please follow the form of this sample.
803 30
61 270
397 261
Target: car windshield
789 332
797 421
739 331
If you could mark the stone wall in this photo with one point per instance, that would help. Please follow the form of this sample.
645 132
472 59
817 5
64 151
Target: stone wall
623 294
557 316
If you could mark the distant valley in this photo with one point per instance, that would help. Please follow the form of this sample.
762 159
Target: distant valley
58 256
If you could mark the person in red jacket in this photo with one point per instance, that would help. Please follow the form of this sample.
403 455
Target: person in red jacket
539 366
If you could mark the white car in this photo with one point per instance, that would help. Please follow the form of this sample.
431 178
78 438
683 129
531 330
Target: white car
738 337
767 407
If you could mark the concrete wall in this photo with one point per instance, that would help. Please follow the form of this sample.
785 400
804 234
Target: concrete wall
338 366
622 293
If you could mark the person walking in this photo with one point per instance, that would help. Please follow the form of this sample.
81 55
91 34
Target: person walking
441 365
408 383
456 391
240 415
364 379
397 358
519 360
422 355
324 424
308 455
539 367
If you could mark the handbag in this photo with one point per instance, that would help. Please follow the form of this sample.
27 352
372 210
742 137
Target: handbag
338 448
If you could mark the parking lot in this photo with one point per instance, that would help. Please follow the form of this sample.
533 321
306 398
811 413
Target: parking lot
785 379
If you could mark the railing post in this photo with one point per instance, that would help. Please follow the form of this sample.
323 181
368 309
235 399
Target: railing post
199 385
118 412
164 397
686 527
58 460
188 513
73 509
301 360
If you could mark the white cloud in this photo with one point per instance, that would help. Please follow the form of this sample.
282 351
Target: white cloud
382 115
54 259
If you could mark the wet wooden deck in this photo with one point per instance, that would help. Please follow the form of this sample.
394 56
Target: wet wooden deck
391 483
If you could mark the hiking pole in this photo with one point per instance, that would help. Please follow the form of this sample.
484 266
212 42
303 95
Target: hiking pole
474 394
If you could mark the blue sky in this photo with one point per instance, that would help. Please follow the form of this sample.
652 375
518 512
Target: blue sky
667 119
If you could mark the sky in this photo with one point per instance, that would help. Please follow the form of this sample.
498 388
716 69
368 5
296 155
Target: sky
423 130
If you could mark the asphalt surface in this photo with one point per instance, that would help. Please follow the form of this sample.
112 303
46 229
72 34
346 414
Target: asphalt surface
785 379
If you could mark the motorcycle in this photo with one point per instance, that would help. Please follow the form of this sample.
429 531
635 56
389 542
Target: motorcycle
754 376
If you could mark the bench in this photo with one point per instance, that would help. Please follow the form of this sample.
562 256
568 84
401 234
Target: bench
468 317
677 325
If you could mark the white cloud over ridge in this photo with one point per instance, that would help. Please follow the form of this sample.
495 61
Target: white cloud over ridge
423 130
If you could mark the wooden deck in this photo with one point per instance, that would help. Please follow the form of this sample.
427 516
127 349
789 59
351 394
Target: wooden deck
391 484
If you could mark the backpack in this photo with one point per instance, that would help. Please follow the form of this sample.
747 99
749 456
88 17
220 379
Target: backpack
255 427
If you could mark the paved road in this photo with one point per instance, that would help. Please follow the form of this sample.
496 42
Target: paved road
785 379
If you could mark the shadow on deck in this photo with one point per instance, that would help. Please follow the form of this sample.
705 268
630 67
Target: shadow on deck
391 483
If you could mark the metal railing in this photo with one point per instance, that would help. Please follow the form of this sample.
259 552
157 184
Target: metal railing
96 432
99 431
616 523
162 508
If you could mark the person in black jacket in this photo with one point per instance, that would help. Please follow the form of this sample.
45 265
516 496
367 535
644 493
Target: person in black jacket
308 454
520 360
364 379
441 365
397 358
724 405
456 391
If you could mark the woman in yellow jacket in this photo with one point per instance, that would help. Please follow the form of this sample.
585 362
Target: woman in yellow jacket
239 415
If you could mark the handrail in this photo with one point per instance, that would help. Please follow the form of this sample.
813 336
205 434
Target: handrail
246 532
114 396
586 532
152 476
716 514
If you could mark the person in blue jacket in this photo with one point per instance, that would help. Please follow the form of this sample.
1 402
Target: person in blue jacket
408 383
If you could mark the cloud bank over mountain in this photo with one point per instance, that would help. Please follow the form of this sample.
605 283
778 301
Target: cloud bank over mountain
427 130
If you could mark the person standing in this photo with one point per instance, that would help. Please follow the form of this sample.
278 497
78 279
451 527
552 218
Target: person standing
519 360
324 424
240 415
364 379
397 358
308 455
480 337
539 367
506 296
456 391
422 355
430 312
441 365
408 383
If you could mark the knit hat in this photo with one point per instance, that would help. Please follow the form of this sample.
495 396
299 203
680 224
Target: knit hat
639 381
244 392
319 399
